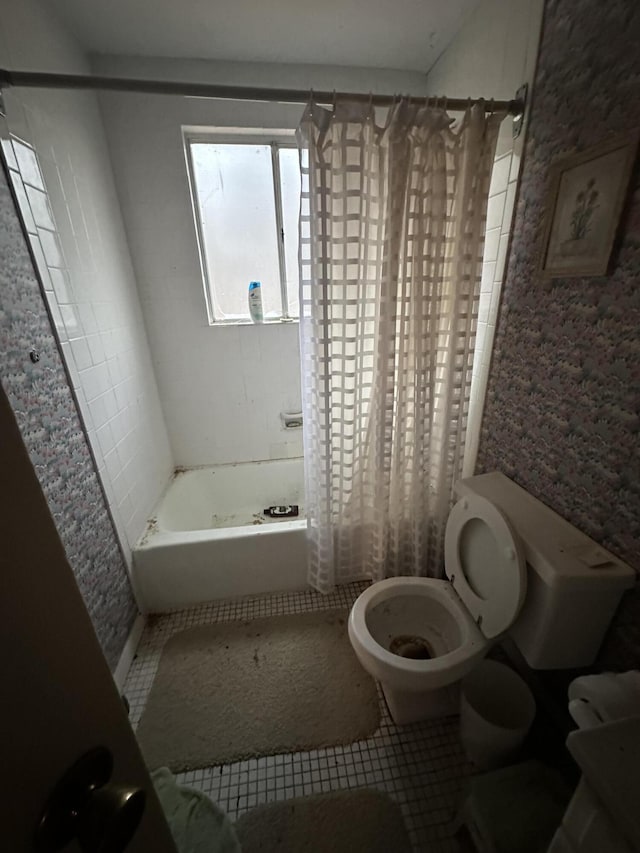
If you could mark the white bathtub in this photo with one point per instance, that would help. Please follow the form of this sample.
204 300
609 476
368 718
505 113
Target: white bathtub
209 538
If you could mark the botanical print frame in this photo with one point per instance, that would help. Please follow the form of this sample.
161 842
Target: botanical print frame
585 200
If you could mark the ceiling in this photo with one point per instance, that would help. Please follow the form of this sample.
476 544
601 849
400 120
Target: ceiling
400 34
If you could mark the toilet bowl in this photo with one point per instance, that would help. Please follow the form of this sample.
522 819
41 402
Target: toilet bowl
513 565
420 636
424 615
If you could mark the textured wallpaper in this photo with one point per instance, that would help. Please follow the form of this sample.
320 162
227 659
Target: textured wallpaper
46 413
562 415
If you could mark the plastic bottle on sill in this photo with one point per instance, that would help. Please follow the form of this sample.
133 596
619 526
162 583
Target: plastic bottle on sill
255 302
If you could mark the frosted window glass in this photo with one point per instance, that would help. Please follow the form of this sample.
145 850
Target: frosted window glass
236 205
290 184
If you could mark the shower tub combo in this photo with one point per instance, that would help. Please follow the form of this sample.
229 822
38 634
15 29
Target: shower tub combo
210 539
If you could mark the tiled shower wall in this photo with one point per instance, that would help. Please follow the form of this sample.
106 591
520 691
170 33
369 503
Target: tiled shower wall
86 267
51 430
222 387
562 416
493 55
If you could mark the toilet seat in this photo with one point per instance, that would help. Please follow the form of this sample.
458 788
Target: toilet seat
484 560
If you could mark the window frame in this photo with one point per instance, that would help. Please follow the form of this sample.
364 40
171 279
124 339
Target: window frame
275 139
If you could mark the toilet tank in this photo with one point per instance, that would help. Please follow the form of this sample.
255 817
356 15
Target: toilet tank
573 584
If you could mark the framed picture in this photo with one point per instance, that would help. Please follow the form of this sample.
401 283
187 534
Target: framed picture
586 197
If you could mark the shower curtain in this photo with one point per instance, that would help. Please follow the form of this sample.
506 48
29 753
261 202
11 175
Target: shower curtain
391 237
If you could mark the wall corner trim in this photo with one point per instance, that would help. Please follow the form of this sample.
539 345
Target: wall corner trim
128 652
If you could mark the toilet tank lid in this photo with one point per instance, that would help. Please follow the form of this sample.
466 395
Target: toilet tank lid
557 551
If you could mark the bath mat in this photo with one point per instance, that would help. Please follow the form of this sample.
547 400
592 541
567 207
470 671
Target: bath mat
240 689
363 821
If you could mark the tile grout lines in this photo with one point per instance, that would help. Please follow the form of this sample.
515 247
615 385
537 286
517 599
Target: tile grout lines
421 767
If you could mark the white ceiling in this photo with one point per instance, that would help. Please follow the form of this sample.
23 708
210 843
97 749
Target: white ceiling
401 34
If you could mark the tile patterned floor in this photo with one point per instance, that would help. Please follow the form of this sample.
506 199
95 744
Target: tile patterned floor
422 767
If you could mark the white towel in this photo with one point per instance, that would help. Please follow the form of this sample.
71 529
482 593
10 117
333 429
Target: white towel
595 699
197 824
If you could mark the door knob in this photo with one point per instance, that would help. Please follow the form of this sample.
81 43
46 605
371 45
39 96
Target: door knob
102 817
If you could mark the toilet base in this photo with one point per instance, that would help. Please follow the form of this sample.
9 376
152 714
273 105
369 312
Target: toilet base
406 707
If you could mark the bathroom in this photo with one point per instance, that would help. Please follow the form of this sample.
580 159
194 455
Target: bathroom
145 387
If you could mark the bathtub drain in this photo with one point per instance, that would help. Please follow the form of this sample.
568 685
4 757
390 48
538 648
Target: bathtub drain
411 646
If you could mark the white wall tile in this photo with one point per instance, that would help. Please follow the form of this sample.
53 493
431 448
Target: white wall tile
93 300
495 303
501 257
70 363
488 276
105 438
71 319
51 248
509 207
516 160
491 245
495 210
28 165
96 348
98 411
58 322
492 55
63 289
23 203
483 307
10 157
111 403
222 388
500 174
40 209
81 353
41 264
90 325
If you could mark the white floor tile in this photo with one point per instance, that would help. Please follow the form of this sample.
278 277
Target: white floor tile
422 766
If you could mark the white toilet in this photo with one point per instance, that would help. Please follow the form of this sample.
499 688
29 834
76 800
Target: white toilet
514 566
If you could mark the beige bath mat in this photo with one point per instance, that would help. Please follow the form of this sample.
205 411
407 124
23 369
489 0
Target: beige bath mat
239 689
362 821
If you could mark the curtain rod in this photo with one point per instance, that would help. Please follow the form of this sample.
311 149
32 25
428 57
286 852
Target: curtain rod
47 80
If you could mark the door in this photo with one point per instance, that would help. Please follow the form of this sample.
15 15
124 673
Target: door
57 697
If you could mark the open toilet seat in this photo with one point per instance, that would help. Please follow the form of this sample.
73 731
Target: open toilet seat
485 563
484 560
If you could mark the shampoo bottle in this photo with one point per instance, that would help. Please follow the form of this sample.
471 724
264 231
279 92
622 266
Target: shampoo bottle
255 302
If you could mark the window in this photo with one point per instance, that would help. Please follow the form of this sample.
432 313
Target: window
246 196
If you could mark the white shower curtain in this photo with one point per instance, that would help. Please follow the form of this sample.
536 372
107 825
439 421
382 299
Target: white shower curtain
391 237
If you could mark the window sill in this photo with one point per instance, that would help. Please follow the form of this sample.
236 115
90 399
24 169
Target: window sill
294 321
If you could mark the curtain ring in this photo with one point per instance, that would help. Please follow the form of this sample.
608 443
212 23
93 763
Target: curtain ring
334 100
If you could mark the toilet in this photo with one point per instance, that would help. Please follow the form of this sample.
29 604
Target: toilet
514 567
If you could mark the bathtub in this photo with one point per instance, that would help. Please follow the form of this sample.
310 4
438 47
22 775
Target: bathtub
209 538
